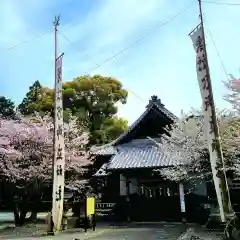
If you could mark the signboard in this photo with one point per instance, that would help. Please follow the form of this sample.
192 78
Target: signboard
59 155
207 106
90 206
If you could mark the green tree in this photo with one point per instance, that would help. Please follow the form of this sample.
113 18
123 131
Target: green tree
7 107
93 99
38 99
112 128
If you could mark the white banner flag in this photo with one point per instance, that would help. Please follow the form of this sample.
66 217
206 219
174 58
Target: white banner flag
207 100
59 155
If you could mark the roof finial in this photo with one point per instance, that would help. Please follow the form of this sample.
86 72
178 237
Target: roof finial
156 100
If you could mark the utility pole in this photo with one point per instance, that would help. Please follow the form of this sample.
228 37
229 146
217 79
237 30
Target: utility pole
222 178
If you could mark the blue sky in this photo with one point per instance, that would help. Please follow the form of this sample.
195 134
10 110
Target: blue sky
163 63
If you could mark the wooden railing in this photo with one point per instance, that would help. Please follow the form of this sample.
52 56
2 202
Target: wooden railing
104 211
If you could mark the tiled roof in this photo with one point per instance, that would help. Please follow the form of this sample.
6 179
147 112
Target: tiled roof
103 150
141 153
108 149
145 157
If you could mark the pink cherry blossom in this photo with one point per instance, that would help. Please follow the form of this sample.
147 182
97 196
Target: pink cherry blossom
26 149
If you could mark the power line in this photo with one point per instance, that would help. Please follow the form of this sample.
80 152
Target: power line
97 66
121 51
222 3
138 41
218 54
41 35
24 42
107 60
84 53
216 48
131 45
141 38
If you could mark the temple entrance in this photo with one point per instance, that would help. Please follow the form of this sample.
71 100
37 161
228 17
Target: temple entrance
156 202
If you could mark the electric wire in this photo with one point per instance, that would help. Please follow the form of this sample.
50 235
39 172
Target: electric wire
140 39
143 37
121 51
218 54
118 53
222 3
43 34
132 45
84 53
97 66
24 42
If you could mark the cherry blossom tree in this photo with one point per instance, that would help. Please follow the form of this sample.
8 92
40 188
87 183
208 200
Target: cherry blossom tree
233 97
187 145
26 153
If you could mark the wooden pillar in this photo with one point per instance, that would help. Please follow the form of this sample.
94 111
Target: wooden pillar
123 185
128 200
182 201
124 191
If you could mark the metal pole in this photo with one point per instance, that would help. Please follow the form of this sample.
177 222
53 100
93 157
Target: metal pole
226 203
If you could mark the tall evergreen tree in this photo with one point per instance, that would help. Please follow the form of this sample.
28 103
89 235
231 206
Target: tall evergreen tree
7 107
31 101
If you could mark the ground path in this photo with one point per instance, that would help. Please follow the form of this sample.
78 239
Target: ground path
137 232
143 231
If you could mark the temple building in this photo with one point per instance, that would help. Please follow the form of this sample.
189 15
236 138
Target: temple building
127 169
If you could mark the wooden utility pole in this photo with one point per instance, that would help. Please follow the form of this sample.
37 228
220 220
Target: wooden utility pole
223 186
